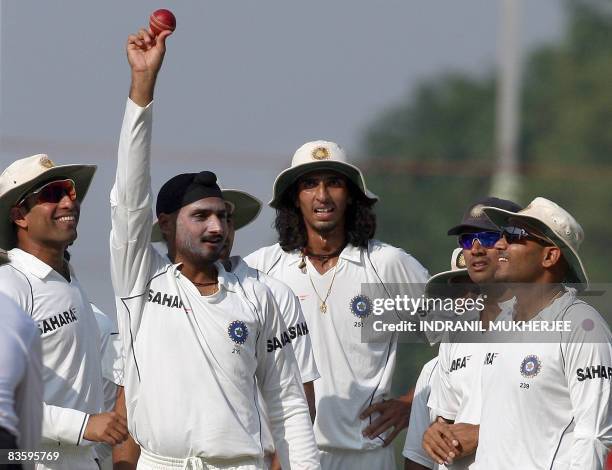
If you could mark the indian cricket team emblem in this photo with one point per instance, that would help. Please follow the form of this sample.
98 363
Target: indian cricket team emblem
460 260
361 306
320 153
238 332
530 367
477 210
46 162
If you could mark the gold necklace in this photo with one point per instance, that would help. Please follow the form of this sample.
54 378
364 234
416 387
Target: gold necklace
323 305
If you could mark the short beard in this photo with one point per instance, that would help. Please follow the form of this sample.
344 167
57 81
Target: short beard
187 249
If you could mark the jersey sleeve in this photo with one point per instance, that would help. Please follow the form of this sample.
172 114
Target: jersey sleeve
442 400
420 418
587 353
297 328
133 258
302 345
64 425
281 388
15 285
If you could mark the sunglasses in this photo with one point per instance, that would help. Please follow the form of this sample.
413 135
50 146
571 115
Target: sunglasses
52 192
517 234
486 239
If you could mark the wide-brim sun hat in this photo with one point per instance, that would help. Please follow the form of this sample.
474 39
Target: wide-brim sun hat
246 209
556 224
26 175
316 156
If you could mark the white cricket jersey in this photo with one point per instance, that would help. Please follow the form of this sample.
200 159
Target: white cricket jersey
354 374
193 362
21 386
547 405
112 369
70 344
421 416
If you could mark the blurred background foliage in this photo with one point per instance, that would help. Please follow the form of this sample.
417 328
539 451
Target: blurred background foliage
433 154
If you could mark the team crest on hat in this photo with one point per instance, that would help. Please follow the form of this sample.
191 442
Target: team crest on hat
46 162
320 153
460 261
238 331
361 306
477 211
530 367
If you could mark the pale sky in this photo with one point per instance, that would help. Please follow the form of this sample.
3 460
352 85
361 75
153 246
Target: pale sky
243 85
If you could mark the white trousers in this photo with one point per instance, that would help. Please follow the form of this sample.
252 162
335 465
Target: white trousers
376 459
71 458
150 461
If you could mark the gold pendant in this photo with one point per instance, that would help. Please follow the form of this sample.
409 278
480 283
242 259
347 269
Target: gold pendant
323 307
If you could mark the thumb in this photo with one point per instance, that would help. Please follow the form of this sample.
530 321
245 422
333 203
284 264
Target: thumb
160 39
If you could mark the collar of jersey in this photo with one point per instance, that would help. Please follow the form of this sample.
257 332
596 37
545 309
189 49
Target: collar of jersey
30 262
350 253
222 276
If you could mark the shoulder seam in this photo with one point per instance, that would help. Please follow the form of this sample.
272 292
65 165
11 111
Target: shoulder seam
31 288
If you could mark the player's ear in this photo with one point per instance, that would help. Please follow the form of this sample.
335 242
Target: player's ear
551 256
17 216
167 225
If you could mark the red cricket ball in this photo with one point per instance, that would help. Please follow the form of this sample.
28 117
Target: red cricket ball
161 20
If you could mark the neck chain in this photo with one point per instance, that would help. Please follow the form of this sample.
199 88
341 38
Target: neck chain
204 284
319 257
323 305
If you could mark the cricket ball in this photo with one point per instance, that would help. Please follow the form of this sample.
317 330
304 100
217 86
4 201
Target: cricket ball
161 20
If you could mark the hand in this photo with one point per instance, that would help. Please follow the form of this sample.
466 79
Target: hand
109 428
440 442
467 435
275 465
393 413
145 52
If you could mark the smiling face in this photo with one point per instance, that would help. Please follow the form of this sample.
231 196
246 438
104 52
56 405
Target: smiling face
322 198
529 260
51 224
201 229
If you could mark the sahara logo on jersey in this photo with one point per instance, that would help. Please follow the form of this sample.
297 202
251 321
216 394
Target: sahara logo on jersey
238 331
161 298
594 372
286 337
531 366
361 306
52 323
459 363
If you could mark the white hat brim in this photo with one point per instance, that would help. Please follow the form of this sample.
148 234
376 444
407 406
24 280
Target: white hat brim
290 175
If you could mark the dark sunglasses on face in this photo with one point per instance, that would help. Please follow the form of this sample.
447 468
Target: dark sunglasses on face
52 192
486 239
516 234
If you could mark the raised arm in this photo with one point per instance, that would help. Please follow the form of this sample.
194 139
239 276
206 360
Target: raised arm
132 256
